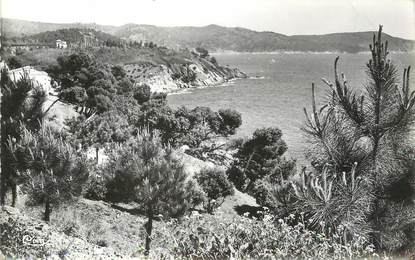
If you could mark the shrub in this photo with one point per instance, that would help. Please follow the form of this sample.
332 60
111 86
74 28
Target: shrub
120 187
230 120
96 188
216 237
142 93
14 62
237 176
213 60
216 185
202 52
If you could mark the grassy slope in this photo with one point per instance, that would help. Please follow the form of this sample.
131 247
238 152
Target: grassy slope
96 222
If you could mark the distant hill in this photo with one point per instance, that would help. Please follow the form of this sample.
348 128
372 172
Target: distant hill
218 38
71 36
18 28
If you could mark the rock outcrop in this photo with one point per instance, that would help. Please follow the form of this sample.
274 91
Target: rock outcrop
171 77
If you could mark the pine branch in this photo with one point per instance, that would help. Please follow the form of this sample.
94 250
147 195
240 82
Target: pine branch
346 97
318 122
406 101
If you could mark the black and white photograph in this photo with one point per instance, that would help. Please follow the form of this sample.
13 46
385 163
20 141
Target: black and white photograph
207 129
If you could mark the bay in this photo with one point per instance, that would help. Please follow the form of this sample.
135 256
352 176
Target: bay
278 87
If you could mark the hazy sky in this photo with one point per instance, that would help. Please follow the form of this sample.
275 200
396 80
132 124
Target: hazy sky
283 16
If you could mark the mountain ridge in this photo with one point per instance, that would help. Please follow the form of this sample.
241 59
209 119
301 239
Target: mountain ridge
218 38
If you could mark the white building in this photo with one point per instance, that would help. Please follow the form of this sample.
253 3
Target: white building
61 44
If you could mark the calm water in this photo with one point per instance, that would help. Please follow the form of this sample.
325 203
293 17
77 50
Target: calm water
278 88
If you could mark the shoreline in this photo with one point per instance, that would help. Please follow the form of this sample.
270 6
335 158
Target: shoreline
182 91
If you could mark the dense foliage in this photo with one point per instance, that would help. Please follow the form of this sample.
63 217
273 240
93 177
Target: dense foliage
200 128
216 186
82 81
99 131
73 36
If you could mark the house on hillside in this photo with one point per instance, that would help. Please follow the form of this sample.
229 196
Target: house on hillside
61 44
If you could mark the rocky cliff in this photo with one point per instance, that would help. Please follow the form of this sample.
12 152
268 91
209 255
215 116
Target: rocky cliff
171 77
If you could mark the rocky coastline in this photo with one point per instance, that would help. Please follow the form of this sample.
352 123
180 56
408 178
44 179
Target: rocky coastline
172 77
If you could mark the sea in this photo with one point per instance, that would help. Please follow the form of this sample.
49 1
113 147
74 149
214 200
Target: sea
278 87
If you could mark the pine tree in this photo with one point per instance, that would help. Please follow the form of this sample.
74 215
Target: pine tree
52 170
21 102
159 182
261 157
365 135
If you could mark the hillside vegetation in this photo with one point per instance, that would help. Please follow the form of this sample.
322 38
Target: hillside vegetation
161 68
73 36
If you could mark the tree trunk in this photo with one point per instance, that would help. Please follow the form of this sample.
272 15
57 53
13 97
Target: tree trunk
149 228
2 189
47 210
14 194
97 154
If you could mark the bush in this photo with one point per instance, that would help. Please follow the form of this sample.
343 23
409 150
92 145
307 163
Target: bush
96 188
216 237
203 53
216 185
230 121
14 62
142 93
237 176
119 188
213 60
